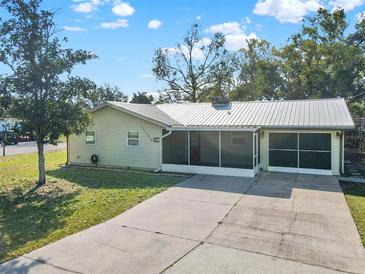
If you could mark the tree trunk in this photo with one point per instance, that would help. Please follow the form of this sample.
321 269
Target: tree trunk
41 164
67 150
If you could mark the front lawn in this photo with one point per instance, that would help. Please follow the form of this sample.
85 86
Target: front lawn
355 197
72 200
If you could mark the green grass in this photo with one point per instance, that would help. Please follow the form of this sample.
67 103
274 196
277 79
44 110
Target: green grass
62 139
355 197
73 199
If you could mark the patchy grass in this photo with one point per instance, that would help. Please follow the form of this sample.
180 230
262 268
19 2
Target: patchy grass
73 199
355 197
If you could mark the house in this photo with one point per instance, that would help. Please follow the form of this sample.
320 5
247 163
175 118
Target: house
236 138
7 124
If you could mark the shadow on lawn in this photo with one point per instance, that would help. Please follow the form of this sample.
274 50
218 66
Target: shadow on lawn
27 216
107 179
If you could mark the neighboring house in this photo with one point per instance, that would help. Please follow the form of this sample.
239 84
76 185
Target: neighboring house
237 138
7 123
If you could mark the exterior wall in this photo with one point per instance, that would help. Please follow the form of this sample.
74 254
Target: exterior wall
335 143
111 127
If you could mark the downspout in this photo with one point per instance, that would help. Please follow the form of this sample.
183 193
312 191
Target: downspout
162 137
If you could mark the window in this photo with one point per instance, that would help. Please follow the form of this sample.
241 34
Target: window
90 137
133 138
283 149
315 150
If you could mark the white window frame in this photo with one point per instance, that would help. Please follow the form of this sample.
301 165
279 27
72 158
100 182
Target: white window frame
139 138
94 137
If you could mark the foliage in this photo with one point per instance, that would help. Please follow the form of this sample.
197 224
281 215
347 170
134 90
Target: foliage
5 98
259 77
98 95
73 200
187 69
141 98
325 59
321 61
39 62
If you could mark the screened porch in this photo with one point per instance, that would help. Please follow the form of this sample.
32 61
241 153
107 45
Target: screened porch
218 152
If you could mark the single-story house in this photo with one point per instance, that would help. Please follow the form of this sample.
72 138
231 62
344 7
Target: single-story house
235 138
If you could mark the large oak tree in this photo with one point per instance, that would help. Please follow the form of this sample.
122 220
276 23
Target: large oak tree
188 68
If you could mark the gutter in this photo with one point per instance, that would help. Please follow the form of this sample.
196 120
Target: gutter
161 138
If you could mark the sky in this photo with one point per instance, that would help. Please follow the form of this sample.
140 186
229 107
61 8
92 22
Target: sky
125 34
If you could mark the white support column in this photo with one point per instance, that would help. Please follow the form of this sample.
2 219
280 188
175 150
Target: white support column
220 148
253 150
189 148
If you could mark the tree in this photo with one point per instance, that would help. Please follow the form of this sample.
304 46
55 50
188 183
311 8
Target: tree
39 62
98 95
142 98
259 75
5 98
322 61
187 68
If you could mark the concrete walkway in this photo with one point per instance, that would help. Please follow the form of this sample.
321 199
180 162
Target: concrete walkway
275 223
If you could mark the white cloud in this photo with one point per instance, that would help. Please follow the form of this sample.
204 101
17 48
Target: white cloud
198 18
226 28
123 9
154 24
248 20
234 34
238 41
75 29
291 11
85 7
347 5
120 23
360 16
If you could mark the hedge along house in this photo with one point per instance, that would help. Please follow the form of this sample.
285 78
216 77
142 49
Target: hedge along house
237 138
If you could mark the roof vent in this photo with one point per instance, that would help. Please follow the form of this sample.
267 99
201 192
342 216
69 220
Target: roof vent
218 101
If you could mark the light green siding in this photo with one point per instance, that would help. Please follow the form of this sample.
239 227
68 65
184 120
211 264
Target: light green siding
111 127
335 143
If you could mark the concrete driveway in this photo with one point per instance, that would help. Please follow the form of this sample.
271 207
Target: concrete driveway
275 223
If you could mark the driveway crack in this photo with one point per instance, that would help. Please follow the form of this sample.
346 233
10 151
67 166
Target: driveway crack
55 266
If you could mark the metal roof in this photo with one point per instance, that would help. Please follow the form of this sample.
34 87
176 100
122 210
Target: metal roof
316 113
145 111
310 114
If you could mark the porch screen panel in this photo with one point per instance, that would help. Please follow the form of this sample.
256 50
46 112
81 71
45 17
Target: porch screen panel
204 148
315 150
283 149
175 148
236 147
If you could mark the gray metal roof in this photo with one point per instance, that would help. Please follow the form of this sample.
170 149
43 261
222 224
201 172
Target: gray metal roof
144 111
317 113
311 114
